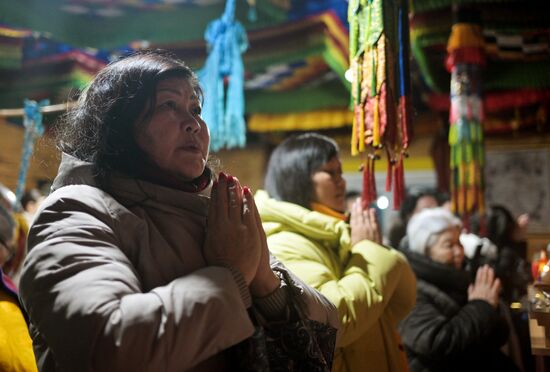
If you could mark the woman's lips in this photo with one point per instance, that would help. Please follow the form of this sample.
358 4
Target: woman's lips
191 148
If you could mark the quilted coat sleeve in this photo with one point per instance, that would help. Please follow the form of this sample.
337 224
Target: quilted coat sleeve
374 280
86 300
431 335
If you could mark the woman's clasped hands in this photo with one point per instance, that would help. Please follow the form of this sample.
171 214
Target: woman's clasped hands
235 236
364 224
486 286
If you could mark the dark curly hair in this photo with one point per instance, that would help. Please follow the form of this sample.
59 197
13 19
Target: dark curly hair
100 128
292 164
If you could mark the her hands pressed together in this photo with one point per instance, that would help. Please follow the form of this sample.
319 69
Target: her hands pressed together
486 287
363 224
233 238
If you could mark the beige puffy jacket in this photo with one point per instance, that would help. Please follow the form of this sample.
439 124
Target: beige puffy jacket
117 282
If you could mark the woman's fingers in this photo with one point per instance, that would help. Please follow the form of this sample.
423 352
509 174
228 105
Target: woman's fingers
479 275
235 199
497 285
490 275
256 216
222 196
249 215
353 211
375 226
212 207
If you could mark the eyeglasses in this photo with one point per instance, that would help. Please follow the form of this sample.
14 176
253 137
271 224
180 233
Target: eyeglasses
10 252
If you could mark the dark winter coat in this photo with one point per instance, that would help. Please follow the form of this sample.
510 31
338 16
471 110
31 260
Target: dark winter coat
445 331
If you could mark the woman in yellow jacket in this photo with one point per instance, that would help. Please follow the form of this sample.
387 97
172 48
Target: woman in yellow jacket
372 286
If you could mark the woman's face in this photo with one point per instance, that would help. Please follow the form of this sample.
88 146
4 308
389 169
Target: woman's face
447 248
176 139
6 251
329 188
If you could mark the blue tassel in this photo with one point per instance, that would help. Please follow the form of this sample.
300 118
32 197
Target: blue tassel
223 109
34 129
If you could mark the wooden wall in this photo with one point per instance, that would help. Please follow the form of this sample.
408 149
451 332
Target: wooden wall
247 164
44 162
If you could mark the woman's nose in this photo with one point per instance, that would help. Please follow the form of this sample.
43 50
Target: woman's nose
341 182
458 250
191 124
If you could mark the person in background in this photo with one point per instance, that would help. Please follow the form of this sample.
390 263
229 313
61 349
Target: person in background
43 186
507 236
414 202
139 260
455 325
12 266
30 201
16 353
371 285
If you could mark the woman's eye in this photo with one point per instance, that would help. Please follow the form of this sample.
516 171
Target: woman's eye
197 111
169 104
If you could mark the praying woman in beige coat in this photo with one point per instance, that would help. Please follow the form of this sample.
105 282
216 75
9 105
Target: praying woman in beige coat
140 259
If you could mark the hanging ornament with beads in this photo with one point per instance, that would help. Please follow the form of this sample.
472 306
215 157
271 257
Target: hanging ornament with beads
379 62
465 59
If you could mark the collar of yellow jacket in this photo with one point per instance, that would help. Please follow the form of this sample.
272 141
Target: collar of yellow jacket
280 216
321 208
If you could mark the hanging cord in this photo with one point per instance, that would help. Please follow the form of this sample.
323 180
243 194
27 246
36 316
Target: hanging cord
20 112
32 121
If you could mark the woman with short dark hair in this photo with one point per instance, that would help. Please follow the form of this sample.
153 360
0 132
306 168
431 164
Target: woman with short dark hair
371 285
139 260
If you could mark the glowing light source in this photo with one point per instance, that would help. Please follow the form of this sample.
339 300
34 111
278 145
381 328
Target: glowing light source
348 75
382 202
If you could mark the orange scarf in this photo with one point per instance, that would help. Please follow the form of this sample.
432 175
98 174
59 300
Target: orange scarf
317 207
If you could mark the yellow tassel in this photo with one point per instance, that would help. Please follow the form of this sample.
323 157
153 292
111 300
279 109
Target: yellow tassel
460 203
462 189
481 200
465 35
354 135
362 129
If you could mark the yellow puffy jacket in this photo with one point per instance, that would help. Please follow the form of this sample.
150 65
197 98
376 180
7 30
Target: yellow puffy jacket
372 286
16 353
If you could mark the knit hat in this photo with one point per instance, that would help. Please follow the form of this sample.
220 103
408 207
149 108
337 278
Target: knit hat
427 223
